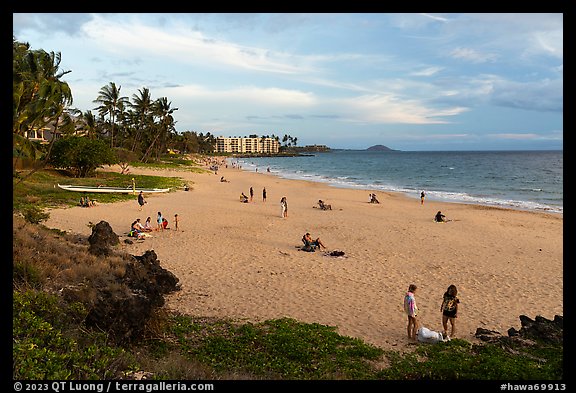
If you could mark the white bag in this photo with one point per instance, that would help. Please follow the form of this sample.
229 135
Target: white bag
426 335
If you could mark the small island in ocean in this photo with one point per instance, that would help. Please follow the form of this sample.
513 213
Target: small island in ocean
379 148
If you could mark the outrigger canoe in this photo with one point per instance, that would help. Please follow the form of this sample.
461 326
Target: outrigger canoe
120 190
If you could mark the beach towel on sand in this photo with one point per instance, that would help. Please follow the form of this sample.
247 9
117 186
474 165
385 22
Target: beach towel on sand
426 335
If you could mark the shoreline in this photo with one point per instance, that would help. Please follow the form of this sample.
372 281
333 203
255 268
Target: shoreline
240 260
432 195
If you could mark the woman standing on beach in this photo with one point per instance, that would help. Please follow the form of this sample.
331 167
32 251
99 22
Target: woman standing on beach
449 309
411 311
422 196
284 206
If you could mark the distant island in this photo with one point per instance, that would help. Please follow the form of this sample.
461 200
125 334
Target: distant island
379 148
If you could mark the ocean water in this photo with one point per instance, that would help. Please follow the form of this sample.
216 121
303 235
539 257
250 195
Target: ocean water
524 180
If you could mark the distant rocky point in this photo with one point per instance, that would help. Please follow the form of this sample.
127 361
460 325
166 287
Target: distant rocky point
379 148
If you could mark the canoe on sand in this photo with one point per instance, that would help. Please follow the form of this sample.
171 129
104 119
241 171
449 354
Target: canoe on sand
102 189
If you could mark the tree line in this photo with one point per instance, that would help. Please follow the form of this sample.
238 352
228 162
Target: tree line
118 128
139 126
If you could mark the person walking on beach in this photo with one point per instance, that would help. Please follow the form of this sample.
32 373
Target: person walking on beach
284 206
264 194
411 311
422 196
176 222
160 220
141 200
251 194
449 309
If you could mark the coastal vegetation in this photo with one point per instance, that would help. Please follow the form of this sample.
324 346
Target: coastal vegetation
42 105
51 340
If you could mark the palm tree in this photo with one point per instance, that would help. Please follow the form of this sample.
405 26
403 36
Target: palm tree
110 101
39 96
90 124
142 105
162 110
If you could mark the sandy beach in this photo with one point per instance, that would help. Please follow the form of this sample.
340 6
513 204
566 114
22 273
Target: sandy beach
240 260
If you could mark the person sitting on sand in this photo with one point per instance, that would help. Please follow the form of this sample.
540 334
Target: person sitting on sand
223 180
310 244
164 223
324 206
88 202
135 231
373 199
439 217
148 225
243 198
138 225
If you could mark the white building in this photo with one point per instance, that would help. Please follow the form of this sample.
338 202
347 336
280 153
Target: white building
247 145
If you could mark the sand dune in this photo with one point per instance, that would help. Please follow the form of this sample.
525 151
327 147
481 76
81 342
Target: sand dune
241 260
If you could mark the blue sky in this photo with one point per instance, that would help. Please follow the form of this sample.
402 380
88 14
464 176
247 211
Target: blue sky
410 81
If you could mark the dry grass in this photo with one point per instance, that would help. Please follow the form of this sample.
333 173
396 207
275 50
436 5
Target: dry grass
57 260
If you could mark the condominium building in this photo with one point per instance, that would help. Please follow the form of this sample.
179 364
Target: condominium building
247 145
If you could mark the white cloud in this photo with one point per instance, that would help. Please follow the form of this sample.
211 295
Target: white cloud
382 109
435 17
427 71
179 42
247 96
548 42
472 55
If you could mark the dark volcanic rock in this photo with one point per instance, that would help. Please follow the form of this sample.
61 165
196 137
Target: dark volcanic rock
102 239
539 329
124 310
122 314
543 329
123 307
147 276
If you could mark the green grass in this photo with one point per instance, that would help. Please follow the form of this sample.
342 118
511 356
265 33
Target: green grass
41 190
278 349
